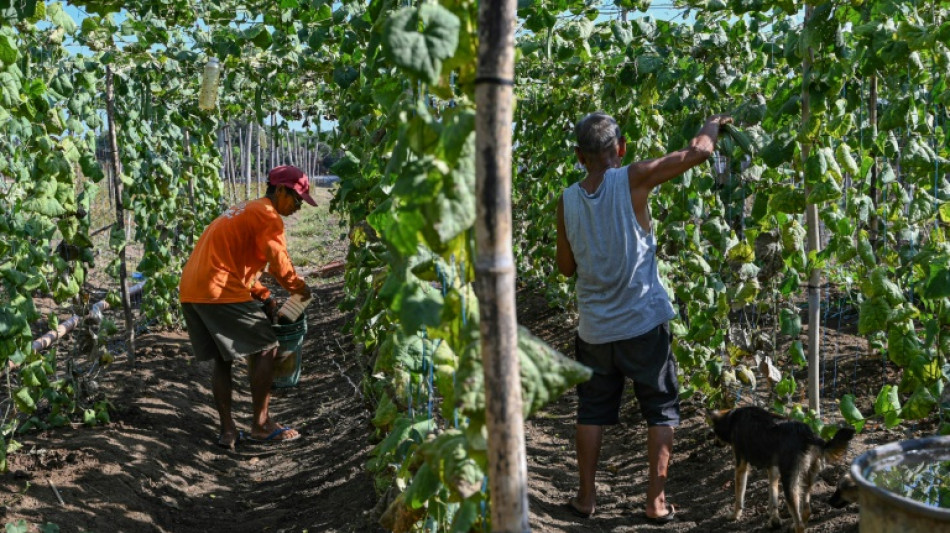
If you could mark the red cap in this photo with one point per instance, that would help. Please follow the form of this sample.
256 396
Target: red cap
292 177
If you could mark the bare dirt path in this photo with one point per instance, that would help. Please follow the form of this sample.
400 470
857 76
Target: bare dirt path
156 468
701 473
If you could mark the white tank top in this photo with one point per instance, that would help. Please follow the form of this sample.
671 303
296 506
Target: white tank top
619 294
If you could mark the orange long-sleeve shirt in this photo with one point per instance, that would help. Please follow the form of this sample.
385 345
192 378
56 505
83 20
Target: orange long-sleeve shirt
233 251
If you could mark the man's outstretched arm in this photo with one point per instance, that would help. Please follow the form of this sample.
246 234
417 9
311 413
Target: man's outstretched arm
646 175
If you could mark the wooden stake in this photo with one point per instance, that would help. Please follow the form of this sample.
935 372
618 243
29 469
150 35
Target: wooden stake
119 215
231 173
191 184
495 267
246 152
814 278
260 173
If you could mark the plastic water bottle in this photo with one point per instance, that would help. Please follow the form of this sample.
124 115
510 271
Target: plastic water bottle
207 98
292 308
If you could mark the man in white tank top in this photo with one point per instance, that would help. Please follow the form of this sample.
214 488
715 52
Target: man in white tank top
605 237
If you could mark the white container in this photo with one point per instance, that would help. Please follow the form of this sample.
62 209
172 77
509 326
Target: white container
292 308
208 96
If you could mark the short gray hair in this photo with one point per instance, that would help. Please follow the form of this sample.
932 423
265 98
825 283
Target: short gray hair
596 133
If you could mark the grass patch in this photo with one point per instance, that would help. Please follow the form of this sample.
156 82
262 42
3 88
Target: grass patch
314 236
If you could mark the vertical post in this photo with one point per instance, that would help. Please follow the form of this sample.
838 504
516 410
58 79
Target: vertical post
191 187
307 156
495 267
273 140
246 152
231 182
292 148
812 223
239 167
873 192
119 215
260 172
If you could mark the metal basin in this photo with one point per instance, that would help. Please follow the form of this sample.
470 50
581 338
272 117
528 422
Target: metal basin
896 493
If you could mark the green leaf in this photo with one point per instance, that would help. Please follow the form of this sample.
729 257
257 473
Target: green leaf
920 404
888 404
259 36
9 90
465 518
421 53
873 315
90 167
8 50
796 353
786 387
60 18
425 484
545 375
347 166
791 322
24 401
49 207
13 323
944 212
850 412
421 306
938 282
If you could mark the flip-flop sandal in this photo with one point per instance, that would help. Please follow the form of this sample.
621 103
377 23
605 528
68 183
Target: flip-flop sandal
665 519
277 433
569 505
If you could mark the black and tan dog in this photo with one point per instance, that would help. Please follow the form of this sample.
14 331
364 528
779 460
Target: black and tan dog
790 451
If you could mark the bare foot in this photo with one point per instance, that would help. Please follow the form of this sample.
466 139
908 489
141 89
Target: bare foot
578 510
229 439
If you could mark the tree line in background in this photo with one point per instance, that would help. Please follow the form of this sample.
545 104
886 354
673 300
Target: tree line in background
254 150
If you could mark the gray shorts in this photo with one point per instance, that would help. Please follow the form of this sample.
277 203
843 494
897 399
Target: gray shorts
647 360
229 331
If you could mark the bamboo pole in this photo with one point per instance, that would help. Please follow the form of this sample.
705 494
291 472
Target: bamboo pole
812 223
273 140
219 143
297 160
260 132
873 192
191 186
239 167
230 172
119 216
495 268
246 152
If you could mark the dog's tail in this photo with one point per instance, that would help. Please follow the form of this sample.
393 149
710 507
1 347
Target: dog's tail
834 449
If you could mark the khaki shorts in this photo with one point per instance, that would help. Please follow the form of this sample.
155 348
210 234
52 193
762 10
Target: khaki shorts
229 331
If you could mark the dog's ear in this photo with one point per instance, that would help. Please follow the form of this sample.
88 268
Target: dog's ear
713 415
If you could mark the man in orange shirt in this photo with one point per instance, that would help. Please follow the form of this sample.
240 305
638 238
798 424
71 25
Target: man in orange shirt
219 286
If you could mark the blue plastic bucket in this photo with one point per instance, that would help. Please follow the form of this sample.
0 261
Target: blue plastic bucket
290 337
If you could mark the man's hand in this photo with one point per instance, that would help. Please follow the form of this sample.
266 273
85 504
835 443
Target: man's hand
720 119
304 292
270 309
